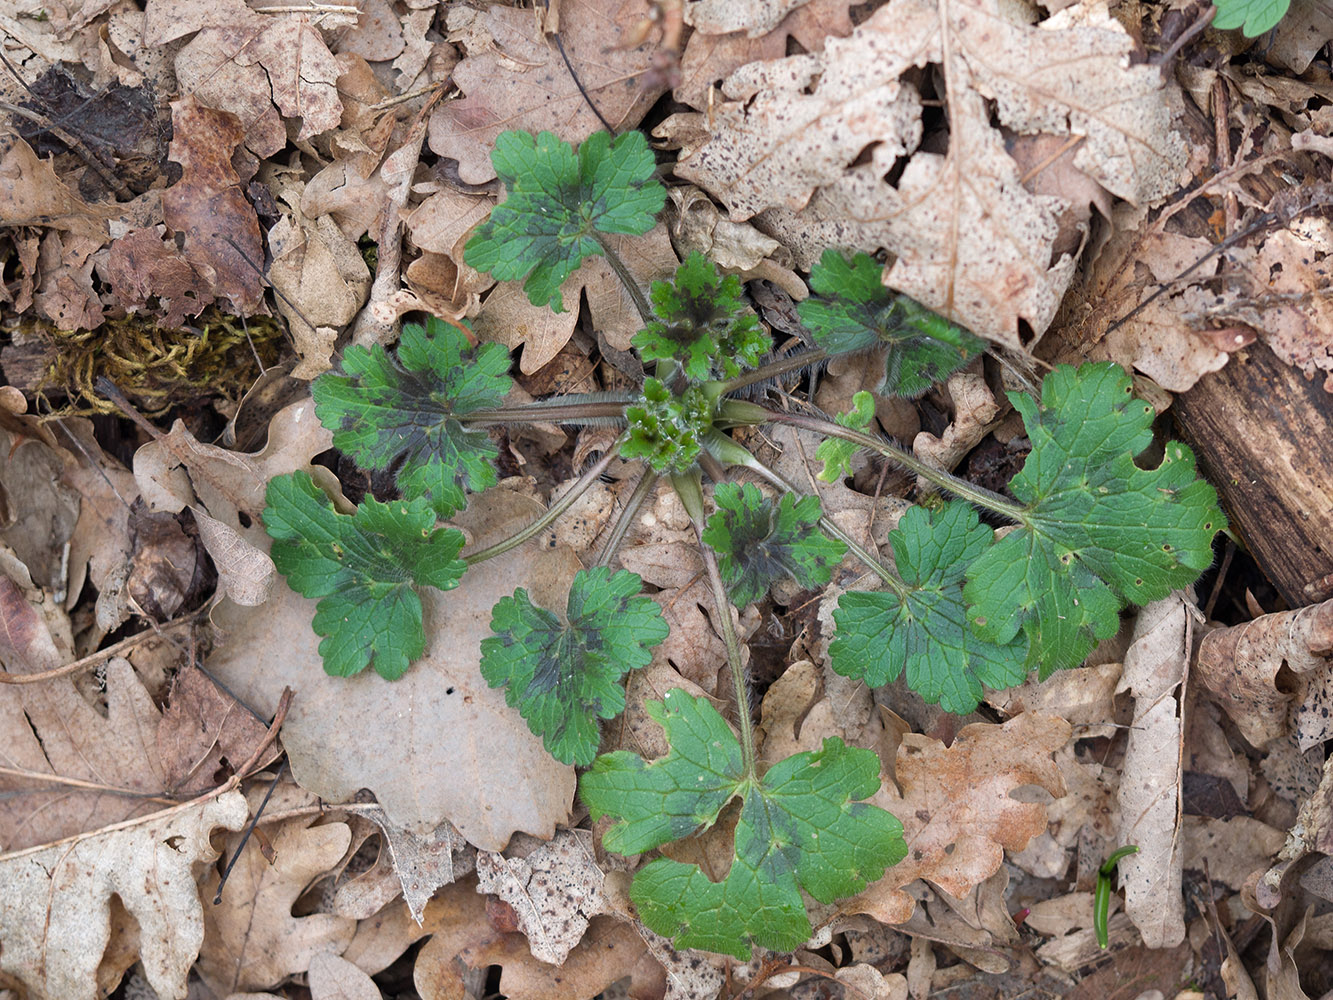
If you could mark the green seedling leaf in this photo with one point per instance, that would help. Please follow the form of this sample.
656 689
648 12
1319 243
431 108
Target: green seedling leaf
703 324
558 202
565 675
853 311
1097 532
1253 17
667 430
363 568
381 409
801 827
926 631
759 542
835 453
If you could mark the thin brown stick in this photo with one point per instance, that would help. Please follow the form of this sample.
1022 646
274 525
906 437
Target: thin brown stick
92 659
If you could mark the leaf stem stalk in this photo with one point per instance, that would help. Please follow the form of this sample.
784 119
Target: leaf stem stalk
960 488
559 507
626 278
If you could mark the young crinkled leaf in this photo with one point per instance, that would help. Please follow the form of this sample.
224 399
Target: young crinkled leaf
667 430
801 827
1096 531
565 675
703 324
853 311
925 629
380 408
363 568
835 453
759 542
558 202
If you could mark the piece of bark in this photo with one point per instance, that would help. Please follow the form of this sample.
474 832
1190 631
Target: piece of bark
1264 437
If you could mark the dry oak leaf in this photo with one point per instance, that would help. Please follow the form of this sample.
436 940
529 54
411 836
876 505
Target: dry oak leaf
1116 322
956 807
32 195
252 941
143 265
208 206
972 243
514 78
246 64
710 58
55 901
754 17
1150 782
555 889
446 732
225 488
1240 665
68 768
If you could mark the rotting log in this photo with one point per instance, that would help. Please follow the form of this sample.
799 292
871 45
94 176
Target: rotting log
1264 437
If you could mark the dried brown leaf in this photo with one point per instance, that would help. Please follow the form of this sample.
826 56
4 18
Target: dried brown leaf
208 206
1240 666
251 940
554 888
710 58
514 78
957 812
971 241
56 901
1150 780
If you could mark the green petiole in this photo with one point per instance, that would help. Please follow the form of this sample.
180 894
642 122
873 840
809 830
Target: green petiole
1101 900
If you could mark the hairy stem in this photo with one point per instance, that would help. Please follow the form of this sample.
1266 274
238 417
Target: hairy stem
960 488
773 369
626 278
569 410
642 492
558 508
748 755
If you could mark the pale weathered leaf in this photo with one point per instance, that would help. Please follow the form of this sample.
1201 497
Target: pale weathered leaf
55 901
425 743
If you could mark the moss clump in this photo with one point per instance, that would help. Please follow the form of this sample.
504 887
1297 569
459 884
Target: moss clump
216 356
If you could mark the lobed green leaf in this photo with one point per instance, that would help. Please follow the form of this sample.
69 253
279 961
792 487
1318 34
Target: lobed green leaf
1253 17
383 409
759 542
1097 531
801 826
556 204
565 675
835 453
925 630
363 568
665 429
703 324
853 311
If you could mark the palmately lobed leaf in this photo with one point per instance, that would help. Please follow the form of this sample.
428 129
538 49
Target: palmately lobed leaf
703 323
1098 532
801 826
564 676
381 409
852 311
556 203
925 630
363 569
759 542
